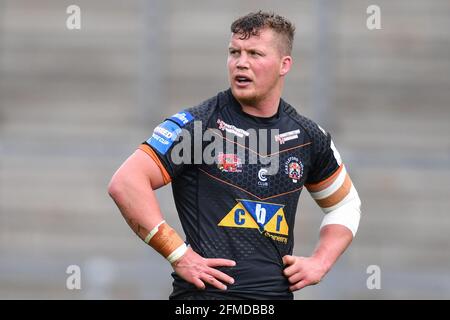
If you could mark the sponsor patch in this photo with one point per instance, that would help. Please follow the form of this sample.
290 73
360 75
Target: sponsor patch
286 136
231 129
268 218
164 136
182 118
262 176
229 162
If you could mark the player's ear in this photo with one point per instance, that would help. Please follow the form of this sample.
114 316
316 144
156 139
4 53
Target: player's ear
285 66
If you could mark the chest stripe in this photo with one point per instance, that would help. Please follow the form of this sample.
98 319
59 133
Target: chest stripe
234 186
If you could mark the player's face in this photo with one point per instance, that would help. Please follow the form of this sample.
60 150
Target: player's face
255 66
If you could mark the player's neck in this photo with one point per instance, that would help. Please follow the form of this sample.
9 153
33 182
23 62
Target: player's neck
265 108
263 111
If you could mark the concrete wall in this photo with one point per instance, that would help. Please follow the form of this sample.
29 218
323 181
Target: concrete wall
75 104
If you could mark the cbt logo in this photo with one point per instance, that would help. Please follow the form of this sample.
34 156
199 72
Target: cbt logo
266 217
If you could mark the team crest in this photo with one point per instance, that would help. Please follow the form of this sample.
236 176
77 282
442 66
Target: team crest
229 162
294 169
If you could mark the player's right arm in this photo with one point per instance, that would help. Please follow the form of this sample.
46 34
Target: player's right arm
132 189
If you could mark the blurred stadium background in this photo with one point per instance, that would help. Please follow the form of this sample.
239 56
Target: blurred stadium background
75 103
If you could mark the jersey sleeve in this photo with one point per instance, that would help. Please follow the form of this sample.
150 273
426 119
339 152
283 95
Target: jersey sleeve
331 187
328 181
171 144
326 160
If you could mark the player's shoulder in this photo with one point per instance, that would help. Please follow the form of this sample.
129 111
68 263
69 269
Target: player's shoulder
205 109
311 128
185 120
198 115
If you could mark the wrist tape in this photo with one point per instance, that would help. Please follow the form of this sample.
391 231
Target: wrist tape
166 241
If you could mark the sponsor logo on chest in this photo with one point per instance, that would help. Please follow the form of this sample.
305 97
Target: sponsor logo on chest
286 136
262 178
229 162
268 218
231 129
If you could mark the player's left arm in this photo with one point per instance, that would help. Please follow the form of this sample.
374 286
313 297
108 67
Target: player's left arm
339 200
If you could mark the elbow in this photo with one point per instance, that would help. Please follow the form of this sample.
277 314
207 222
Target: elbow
116 187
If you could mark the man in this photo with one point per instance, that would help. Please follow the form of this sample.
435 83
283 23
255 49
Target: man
237 213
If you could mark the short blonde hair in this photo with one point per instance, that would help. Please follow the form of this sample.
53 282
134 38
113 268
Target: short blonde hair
251 24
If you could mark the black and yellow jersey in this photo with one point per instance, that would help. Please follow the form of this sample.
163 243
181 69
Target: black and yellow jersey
235 207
